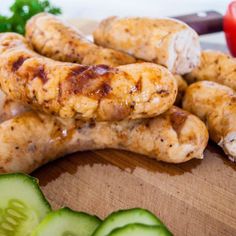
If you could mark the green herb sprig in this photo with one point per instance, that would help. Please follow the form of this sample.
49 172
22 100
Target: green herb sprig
22 10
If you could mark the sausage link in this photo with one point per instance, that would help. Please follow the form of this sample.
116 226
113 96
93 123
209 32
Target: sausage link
215 66
85 92
33 139
216 105
55 39
164 41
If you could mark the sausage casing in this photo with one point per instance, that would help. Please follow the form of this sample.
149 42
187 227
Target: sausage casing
215 66
55 39
33 139
85 92
164 41
216 105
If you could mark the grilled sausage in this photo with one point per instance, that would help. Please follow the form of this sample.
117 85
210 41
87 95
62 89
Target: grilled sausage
216 105
33 139
164 41
84 92
9 108
215 66
55 39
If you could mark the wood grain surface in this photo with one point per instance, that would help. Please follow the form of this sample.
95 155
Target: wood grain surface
194 198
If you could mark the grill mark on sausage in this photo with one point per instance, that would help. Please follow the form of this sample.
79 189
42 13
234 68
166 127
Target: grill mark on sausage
105 89
40 73
92 81
163 92
18 63
79 69
139 85
177 119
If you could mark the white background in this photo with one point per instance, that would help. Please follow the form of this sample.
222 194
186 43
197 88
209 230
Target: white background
99 9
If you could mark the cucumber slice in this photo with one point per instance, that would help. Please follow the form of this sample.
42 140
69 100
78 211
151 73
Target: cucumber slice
65 222
22 205
124 217
140 230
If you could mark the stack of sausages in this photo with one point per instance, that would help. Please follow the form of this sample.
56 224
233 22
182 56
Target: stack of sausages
62 93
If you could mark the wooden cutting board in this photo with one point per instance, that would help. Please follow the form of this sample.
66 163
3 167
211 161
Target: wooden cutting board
194 198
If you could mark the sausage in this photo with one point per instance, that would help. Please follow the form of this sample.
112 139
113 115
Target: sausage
215 66
164 41
84 92
33 139
55 39
9 108
182 86
216 105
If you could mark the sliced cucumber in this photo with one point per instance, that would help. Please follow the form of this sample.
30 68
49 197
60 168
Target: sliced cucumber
140 230
22 205
124 217
65 222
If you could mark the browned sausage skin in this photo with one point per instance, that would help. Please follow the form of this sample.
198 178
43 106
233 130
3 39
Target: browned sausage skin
55 39
33 139
215 66
85 92
168 42
216 105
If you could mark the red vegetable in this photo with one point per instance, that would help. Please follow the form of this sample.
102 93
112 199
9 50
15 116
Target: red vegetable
229 25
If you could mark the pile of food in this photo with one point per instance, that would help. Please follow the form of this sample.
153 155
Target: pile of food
62 93
25 211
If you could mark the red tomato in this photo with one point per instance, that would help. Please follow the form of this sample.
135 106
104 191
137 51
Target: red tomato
229 25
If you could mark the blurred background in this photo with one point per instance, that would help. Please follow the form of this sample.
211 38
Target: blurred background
99 9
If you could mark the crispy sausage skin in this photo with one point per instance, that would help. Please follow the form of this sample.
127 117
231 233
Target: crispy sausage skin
55 39
84 92
164 41
215 66
216 105
33 139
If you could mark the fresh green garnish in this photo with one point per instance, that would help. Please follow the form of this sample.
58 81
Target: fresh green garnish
22 10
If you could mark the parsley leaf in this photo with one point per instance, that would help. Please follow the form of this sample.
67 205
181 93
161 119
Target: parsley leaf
22 10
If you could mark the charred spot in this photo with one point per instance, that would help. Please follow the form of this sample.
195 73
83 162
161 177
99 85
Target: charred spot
18 63
36 72
147 124
177 119
105 90
41 74
139 85
91 81
162 140
132 105
17 147
92 124
12 128
163 92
